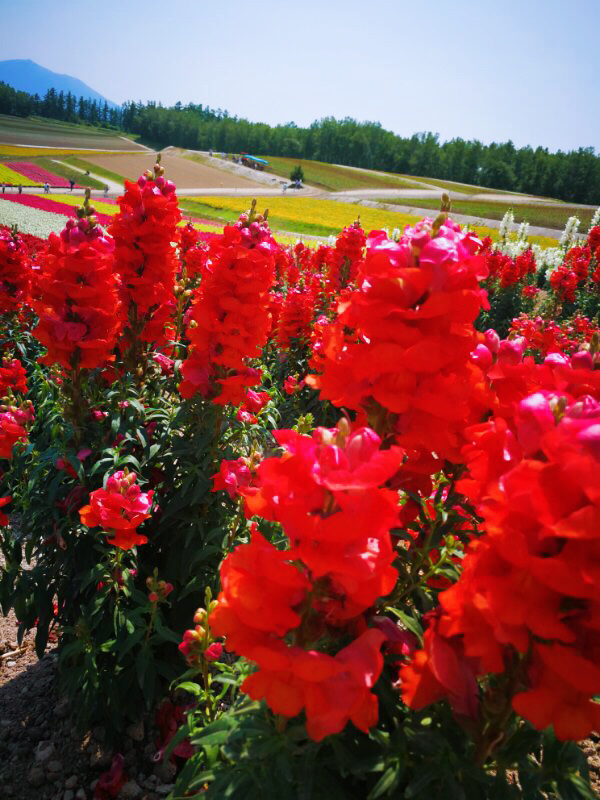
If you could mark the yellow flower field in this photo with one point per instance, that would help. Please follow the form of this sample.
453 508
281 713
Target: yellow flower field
288 211
18 150
8 175
314 211
77 200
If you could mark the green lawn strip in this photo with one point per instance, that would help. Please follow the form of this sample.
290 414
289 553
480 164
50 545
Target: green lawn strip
336 178
542 215
277 224
463 188
105 173
199 159
58 168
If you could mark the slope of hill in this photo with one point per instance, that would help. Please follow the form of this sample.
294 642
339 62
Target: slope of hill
27 76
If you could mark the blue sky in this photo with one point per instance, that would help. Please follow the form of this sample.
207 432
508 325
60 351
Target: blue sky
525 70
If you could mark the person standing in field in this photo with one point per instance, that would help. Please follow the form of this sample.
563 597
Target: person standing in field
20 189
3 187
71 183
46 188
106 191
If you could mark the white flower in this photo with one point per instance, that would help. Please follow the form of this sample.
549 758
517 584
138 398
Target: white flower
31 220
595 218
331 241
507 222
396 234
570 231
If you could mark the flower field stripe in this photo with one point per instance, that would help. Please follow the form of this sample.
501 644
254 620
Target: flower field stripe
38 175
103 206
13 178
21 150
44 203
30 220
314 211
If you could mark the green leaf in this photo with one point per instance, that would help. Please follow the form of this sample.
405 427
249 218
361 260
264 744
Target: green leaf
388 781
583 787
409 623
130 642
165 632
190 687
422 780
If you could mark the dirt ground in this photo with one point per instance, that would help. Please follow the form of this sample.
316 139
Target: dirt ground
185 173
44 755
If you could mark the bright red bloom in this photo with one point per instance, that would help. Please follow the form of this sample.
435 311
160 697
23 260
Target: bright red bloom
402 340
12 376
119 509
345 260
145 258
4 501
332 690
295 318
13 429
229 322
15 272
594 238
291 384
564 282
260 591
213 652
75 296
437 672
324 490
534 576
255 401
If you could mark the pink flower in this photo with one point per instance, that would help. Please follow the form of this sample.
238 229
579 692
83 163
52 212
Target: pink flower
99 415
511 351
255 401
84 453
535 418
482 357
232 476
165 363
213 652
245 416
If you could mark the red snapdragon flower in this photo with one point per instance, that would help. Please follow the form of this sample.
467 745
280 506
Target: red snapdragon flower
402 339
15 271
145 258
229 322
119 509
75 296
12 376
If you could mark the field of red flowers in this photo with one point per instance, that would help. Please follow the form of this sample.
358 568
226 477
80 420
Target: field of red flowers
339 506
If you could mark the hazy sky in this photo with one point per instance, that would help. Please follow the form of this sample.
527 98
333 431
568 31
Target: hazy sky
526 70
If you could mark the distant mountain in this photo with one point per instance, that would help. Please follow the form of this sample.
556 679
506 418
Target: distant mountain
27 76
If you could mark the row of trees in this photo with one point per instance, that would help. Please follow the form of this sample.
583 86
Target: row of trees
572 176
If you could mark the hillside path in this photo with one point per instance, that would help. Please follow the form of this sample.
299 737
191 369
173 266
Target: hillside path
113 186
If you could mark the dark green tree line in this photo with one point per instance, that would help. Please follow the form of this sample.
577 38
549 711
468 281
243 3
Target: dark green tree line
571 176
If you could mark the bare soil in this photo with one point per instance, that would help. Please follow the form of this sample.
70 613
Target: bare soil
44 755
185 173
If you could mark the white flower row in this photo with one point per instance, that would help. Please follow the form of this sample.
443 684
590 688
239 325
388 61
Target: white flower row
31 220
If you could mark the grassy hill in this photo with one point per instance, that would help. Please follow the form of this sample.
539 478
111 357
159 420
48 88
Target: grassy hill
546 215
335 178
41 132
